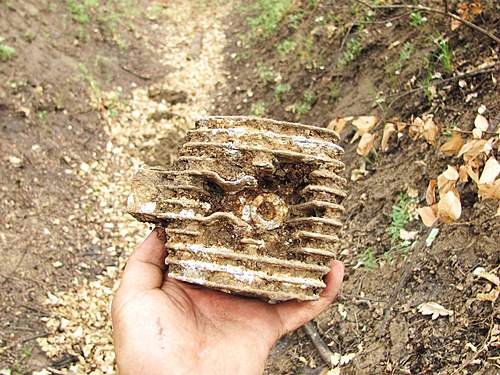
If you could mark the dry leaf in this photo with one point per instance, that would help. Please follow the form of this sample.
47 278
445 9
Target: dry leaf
428 216
449 208
365 144
451 173
453 145
498 210
462 174
364 124
481 123
455 24
446 181
491 277
477 133
346 358
416 128
489 297
389 130
474 147
407 235
338 124
430 194
490 171
430 130
333 371
401 126
472 174
490 190
434 309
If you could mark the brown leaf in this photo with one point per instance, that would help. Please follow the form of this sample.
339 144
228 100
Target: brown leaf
364 124
389 130
488 297
430 130
462 174
428 216
401 126
472 174
430 194
365 144
490 276
416 128
449 208
475 147
453 145
338 124
455 24
490 190
490 171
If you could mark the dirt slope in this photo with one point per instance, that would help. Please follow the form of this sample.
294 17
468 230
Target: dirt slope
316 61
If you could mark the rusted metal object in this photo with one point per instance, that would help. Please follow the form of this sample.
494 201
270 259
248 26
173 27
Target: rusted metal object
253 206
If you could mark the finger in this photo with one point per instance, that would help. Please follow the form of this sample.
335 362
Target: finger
144 268
294 314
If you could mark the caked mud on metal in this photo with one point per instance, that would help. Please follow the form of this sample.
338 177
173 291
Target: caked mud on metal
252 206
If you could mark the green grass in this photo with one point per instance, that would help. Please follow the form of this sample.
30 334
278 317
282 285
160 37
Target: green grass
258 108
416 19
6 52
367 258
280 89
352 51
294 20
404 56
333 90
268 16
444 55
306 104
400 216
285 47
95 89
80 9
265 73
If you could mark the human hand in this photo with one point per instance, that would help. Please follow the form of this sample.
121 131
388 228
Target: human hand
164 326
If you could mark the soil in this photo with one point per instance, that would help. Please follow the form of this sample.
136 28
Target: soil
54 124
49 233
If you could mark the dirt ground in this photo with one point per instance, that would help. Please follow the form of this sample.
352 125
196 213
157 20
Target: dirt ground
91 91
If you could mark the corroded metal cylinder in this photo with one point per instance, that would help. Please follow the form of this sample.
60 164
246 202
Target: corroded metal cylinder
253 206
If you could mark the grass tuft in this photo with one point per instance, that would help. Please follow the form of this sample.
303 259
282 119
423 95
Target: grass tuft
269 16
400 216
6 52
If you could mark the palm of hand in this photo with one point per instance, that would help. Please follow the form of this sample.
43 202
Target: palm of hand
163 326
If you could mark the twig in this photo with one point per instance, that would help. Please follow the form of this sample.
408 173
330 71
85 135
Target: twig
445 6
434 10
347 34
138 75
465 132
405 276
324 352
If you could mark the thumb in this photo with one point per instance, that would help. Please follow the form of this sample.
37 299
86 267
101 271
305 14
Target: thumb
294 314
145 266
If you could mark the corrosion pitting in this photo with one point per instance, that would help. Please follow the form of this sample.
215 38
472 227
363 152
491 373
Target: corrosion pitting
253 206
